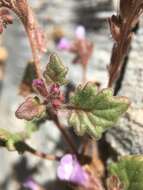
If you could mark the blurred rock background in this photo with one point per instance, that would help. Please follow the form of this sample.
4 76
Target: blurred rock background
64 16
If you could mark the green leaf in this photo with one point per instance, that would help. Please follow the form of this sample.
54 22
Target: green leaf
4 134
55 71
10 139
129 170
31 127
30 109
93 112
34 125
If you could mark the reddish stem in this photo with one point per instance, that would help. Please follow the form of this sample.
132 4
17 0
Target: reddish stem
84 74
66 135
34 54
41 154
10 5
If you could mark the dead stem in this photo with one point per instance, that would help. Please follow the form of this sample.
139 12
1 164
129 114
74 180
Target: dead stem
85 146
121 27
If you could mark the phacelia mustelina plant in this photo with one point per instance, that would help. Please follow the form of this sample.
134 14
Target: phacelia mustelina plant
91 111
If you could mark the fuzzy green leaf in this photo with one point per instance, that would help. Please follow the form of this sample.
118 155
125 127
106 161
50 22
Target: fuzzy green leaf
93 112
129 170
55 71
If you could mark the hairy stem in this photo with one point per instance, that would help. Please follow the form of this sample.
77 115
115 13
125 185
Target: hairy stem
42 155
35 56
65 134
27 18
84 73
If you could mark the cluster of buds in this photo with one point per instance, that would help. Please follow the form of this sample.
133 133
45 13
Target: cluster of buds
5 19
52 95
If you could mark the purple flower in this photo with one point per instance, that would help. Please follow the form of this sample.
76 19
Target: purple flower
70 170
80 32
31 184
64 44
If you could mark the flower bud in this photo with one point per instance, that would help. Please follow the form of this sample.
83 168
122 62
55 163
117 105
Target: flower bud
39 86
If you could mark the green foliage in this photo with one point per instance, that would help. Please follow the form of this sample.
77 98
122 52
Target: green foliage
31 127
4 134
34 125
129 170
55 71
15 141
94 112
10 139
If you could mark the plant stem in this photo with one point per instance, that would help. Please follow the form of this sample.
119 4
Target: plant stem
65 134
34 54
84 73
120 50
28 28
41 154
85 145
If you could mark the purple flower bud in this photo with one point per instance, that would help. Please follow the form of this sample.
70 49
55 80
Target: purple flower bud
39 86
55 89
64 44
38 82
70 170
80 32
31 184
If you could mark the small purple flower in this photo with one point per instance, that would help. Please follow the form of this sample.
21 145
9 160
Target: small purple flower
64 44
31 184
70 170
39 86
80 32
